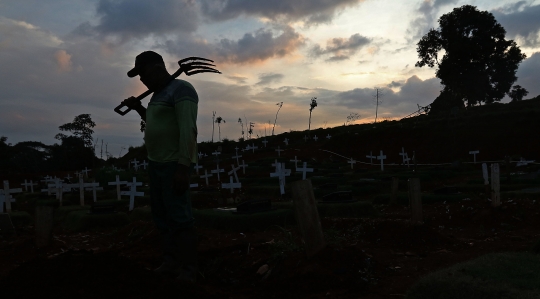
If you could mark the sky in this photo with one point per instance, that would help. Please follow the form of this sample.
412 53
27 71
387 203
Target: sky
63 58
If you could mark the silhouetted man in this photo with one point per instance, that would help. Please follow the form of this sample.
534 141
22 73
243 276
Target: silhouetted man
171 140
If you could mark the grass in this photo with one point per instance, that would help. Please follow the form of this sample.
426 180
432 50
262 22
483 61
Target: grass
20 218
493 276
243 222
80 220
403 198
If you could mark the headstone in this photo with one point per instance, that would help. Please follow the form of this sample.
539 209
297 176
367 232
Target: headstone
7 196
304 170
281 173
231 185
133 192
474 153
206 176
415 201
307 217
218 170
243 165
352 162
117 183
278 150
381 157
44 225
495 185
395 185
233 171
197 167
370 157
295 162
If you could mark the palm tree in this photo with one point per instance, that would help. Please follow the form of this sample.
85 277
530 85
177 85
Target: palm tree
241 124
280 105
219 119
213 116
312 106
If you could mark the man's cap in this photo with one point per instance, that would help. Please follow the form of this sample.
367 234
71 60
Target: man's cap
146 57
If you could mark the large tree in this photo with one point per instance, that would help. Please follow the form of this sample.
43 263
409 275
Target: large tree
478 64
81 128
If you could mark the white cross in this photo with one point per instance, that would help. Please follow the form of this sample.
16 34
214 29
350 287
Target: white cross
195 185
59 189
315 138
86 170
243 165
304 169
200 155
217 170
144 164
281 173
370 157
232 185
407 159
206 176
233 171
305 138
474 153
117 183
197 167
132 192
275 164
286 141
351 161
253 147
265 142
523 162
237 156
68 177
94 187
295 162
7 202
216 153
28 184
328 136
81 185
403 154
279 151
381 157
7 196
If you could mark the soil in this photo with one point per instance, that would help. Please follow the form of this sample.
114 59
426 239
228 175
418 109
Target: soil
377 257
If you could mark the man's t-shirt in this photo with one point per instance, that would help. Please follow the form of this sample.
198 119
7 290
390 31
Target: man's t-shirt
171 124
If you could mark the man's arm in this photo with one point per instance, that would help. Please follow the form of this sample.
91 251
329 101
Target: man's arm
134 104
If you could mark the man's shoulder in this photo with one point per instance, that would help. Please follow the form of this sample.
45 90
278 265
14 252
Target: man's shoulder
183 90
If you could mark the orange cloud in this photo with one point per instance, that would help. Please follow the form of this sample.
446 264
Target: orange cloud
63 59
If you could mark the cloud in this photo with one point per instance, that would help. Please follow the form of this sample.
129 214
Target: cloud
267 78
237 79
341 48
521 21
63 59
123 20
427 11
529 76
253 47
394 84
309 11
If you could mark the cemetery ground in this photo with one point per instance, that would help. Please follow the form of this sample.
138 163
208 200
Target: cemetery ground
464 247
377 255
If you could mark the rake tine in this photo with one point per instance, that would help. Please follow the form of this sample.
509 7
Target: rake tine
189 73
195 64
193 58
201 68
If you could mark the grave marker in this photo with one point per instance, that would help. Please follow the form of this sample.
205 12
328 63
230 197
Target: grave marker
44 225
381 157
486 178
352 162
304 169
315 138
243 165
7 196
295 162
200 155
216 153
395 185
26 185
495 185
117 183
407 159
328 136
307 217
403 154
206 176
278 150
94 187
68 177
144 164
281 173
415 201
233 171
474 153
232 185
265 142
86 170
523 162
81 185
237 156
197 167
286 141
133 192
370 157
305 138
218 170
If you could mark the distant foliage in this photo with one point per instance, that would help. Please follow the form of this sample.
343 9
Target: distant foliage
517 93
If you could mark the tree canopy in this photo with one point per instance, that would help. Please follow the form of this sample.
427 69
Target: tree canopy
81 127
478 64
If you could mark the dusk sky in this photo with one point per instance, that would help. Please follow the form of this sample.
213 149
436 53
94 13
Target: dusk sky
62 58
